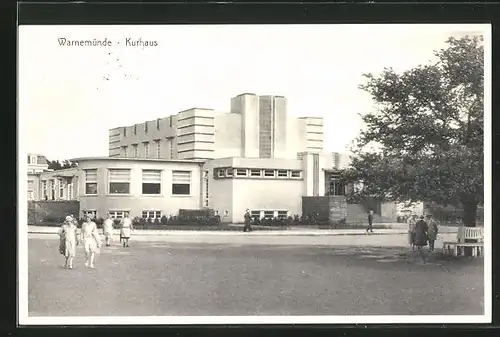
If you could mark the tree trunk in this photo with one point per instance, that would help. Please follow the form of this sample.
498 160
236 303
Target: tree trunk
470 211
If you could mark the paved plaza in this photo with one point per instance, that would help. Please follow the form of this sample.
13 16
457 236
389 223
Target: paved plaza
236 274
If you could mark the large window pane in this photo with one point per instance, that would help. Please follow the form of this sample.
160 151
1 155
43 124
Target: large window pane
91 188
180 189
151 188
119 188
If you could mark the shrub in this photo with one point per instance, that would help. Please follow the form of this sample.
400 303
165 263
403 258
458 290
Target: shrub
53 219
164 220
116 222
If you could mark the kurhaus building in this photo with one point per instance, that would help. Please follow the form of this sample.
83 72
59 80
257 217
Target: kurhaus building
254 157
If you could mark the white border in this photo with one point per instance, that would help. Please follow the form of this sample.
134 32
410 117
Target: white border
24 319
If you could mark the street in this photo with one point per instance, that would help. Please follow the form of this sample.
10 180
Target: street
244 275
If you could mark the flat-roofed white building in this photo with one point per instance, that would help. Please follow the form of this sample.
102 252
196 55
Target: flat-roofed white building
255 127
152 188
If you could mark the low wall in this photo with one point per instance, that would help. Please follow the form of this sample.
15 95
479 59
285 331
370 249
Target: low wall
334 208
48 211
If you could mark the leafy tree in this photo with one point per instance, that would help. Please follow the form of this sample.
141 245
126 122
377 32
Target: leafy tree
427 132
56 165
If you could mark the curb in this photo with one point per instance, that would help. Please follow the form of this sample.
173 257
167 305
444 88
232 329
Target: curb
247 234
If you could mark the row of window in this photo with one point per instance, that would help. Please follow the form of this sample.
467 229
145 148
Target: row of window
119 182
145 127
135 148
117 214
157 214
281 214
255 173
51 185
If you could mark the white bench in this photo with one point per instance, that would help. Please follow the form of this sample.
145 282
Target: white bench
466 233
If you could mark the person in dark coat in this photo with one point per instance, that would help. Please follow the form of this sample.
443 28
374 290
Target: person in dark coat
421 228
432 231
248 222
370 222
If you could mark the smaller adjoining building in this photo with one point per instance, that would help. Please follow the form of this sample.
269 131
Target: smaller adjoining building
152 188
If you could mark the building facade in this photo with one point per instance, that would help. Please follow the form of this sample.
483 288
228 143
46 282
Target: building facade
254 157
255 127
151 188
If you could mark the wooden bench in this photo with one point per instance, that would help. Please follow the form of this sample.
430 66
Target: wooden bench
465 234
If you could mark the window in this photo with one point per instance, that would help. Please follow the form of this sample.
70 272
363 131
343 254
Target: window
255 173
92 213
205 178
158 124
124 131
241 172
44 189
171 149
31 188
125 151
170 121
151 182
295 174
181 182
229 172
91 181
158 148
221 173
61 188
146 149
53 189
268 214
117 214
136 151
70 191
149 214
29 159
255 214
135 129
32 160
282 214
146 127
119 181
269 173
282 173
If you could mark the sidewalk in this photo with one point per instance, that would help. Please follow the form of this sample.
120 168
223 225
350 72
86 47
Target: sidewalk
289 232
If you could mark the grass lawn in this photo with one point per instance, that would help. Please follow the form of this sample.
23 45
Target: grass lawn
239 279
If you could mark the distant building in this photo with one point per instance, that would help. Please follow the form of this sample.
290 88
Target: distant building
37 164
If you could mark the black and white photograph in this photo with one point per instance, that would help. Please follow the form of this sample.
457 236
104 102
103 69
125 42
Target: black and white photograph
254 174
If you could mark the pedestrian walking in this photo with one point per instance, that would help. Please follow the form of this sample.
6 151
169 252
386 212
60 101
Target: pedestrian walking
91 241
248 222
68 242
432 231
421 233
412 221
107 228
370 222
126 229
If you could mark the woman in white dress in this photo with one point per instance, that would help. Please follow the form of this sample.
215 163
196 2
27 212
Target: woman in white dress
107 228
126 229
69 240
91 241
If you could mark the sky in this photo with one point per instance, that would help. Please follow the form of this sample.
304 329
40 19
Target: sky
69 97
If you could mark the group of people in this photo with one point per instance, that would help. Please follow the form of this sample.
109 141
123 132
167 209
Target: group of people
421 231
89 237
